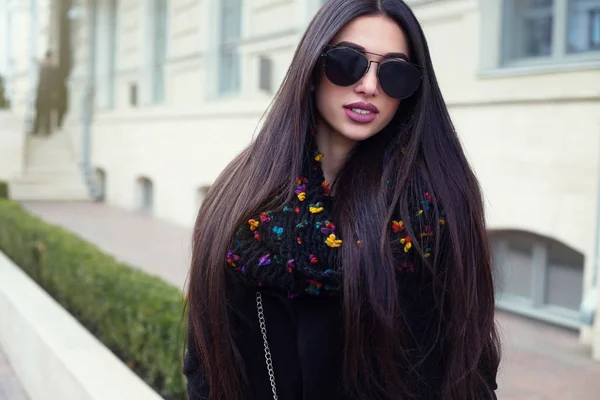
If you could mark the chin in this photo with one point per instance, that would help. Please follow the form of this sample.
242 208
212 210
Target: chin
358 133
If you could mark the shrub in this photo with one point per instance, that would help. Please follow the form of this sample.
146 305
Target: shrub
136 315
3 190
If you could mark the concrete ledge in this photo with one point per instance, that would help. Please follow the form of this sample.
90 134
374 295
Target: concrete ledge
51 353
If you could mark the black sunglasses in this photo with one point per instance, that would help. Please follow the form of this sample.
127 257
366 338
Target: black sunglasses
344 66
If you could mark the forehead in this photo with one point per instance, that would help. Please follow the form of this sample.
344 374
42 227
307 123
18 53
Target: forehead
376 33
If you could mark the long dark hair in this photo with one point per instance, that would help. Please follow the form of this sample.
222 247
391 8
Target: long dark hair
420 138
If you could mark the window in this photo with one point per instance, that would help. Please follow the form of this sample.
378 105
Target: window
537 276
528 25
265 78
595 29
106 54
145 195
100 184
584 26
550 30
112 52
133 94
229 58
159 51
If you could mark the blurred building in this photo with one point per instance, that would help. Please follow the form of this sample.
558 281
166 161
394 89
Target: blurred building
164 93
25 36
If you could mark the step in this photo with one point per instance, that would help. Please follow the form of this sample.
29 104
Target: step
51 141
50 146
56 135
23 191
60 178
43 160
53 170
51 152
46 161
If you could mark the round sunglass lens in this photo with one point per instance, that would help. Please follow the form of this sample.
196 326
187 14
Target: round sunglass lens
344 67
399 79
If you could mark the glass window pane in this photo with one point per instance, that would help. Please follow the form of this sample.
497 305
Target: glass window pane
564 279
540 4
528 28
231 20
229 70
160 49
518 271
229 59
537 36
583 26
112 52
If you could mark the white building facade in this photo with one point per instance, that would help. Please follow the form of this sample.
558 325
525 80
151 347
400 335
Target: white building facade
178 89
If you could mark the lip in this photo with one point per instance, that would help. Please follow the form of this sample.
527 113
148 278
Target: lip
363 106
361 118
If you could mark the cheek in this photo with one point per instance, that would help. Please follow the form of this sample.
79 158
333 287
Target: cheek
388 108
327 96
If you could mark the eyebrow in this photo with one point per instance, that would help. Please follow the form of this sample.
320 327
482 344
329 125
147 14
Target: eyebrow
362 49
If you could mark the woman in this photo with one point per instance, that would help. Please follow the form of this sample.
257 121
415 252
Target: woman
343 254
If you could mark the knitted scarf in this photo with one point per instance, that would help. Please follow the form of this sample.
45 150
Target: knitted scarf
295 248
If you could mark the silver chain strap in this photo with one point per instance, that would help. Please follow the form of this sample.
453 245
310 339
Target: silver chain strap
263 330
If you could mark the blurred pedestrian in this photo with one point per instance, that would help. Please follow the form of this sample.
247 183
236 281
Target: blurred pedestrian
46 95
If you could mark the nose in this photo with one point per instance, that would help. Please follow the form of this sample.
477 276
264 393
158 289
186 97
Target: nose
368 84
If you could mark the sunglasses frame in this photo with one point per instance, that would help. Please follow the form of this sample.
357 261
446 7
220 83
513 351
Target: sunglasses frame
328 48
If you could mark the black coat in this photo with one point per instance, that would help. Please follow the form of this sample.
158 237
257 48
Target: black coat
305 336
47 86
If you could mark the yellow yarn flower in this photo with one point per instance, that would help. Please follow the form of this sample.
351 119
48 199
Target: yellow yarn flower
315 210
253 224
319 157
301 196
332 241
407 244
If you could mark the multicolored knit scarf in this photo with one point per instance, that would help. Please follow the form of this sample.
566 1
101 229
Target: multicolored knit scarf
295 249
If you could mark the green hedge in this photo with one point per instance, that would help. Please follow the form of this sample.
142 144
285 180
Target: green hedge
3 190
136 315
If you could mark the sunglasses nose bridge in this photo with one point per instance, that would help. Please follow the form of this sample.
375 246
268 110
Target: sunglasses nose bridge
369 65
369 84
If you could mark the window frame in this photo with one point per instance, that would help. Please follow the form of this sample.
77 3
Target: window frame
594 12
537 305
559 54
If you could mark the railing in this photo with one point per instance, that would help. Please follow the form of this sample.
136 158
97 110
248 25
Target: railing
87 108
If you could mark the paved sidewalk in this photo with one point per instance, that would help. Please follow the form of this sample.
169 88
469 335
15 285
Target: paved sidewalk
10 387
144 242
540 362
